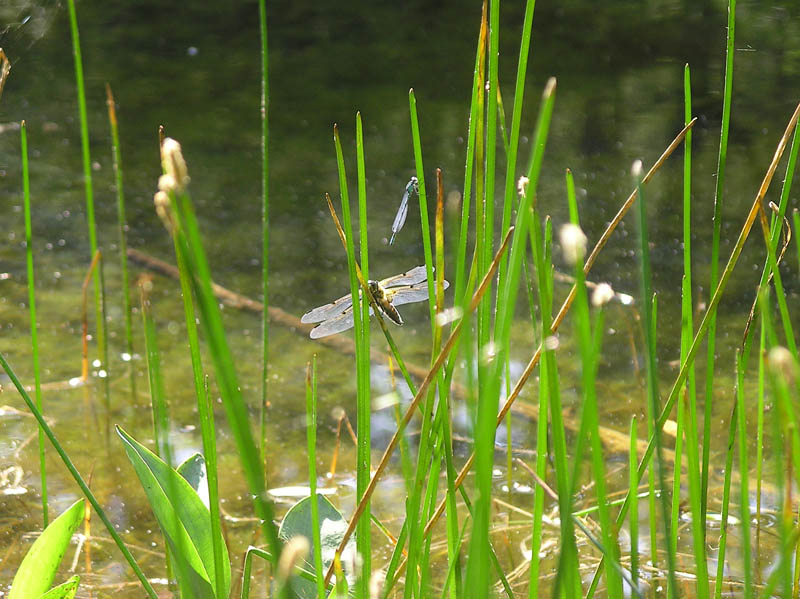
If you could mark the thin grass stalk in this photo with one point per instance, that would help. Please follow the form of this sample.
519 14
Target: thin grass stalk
122 232
542 455
474 117
762 357
362 356
633 493
78 478
205 412
158 401
363 403
37 380
262 411
696 496
423 388
744 478
714 262
423 204
453 538
516 118
675 510
87 177
188 235
712 306
649 306
567 577
311 437
491 133
726 501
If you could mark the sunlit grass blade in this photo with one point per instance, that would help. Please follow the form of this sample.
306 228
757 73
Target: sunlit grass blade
87 177
715 242
37 381
78 478
633 493
744 478
364 399
122 232
204 409
262 411
311 436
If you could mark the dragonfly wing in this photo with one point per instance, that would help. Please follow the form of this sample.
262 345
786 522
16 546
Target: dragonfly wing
411 277
400 217
337 324
411 294
328 310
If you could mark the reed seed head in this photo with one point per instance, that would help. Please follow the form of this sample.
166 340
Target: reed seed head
161 201
172 162
573 243
602 294
522 185
782 363
636 169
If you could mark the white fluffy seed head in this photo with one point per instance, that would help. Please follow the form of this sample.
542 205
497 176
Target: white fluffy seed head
172 162
636 169
602 294
782 363
573 243
522 185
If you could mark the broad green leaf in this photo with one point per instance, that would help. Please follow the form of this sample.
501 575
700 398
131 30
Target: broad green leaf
183 519
297 521
65 590
39 566
193 469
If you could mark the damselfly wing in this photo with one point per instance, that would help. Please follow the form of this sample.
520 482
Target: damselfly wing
404 288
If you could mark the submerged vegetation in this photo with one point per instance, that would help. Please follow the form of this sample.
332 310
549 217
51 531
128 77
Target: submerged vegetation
605 503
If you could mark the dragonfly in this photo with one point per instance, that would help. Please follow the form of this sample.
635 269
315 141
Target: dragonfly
405 288
402 212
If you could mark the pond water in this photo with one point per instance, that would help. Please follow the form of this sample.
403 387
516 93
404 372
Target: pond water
195 69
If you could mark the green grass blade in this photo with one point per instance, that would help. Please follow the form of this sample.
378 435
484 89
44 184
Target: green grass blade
714 262
262 416
87 176
633 493
311 436
364 399
122 228
37 381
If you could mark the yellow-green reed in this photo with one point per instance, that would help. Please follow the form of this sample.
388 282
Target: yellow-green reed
122 228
